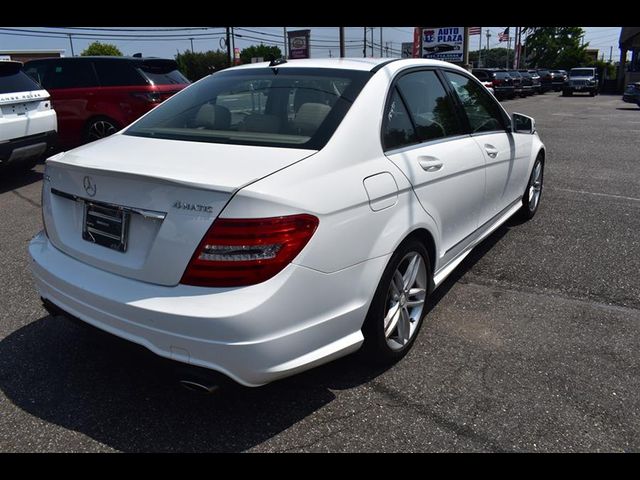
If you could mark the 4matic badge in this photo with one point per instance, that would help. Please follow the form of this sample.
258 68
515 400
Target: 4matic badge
192 207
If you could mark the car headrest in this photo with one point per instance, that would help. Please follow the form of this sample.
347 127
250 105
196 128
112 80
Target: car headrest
309 117
213 117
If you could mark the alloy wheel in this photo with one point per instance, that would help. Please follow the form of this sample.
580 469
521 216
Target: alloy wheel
405 301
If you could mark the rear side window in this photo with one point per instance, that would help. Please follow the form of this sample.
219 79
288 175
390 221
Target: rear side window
482 110
431 110
116 73
13 79
480 75
69 74
397 129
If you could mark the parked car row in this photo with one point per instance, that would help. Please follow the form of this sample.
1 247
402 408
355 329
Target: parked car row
512 83
67 102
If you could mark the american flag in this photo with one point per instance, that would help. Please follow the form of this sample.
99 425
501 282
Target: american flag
475 30
504 36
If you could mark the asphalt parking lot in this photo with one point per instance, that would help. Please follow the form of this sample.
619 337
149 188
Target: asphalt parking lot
533 344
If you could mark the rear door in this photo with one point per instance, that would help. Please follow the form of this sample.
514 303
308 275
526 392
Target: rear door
423 135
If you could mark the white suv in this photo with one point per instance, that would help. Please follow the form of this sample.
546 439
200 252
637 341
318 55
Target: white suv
28 124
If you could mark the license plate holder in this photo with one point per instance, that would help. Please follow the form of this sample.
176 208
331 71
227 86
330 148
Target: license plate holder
105 225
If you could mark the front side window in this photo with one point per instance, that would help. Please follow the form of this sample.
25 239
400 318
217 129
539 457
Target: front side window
483 112
432 111
280 107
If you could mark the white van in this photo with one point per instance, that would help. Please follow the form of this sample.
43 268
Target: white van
28 124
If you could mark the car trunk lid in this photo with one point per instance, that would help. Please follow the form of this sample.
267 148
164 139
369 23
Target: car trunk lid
147 203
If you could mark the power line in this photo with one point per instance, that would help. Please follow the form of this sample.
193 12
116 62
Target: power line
105 35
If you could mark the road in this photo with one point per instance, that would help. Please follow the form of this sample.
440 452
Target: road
533 344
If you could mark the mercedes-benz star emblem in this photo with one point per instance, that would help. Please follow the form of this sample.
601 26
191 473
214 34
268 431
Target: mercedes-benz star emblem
89 186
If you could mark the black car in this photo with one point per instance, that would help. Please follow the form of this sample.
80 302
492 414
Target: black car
500 79
518 81
559 77
537 84
546 80
528 88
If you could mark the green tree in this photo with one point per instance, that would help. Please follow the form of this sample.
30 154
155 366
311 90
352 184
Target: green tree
102 49
264 51
492 58
555 47
195 65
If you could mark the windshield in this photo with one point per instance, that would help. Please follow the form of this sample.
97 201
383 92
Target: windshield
279 107
581 72
14 80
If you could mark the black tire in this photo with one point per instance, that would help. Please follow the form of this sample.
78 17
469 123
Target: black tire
99 127
567 93
375 348
592 93
529 209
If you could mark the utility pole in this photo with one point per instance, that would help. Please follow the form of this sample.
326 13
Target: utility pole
610 53
465 49
488 37
71 42
229 47
380 42
285 41
233 48
386 49
364 48
372 41
341 42
508 47
191 39
480 49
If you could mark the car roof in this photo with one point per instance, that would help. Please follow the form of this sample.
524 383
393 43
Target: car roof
356 63
100 57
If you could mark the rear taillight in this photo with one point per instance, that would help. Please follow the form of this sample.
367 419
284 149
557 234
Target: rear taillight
150 97
240 252
496 82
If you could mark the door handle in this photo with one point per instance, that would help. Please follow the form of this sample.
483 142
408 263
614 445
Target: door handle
430 164
491 150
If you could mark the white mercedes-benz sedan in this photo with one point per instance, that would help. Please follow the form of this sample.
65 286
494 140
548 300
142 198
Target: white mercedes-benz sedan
275 216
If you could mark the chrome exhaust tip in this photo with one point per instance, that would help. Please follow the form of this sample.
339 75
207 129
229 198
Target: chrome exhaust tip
198 387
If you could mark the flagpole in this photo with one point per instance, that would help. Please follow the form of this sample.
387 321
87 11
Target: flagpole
508 47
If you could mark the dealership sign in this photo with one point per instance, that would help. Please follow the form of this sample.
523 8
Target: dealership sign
443 43
299 44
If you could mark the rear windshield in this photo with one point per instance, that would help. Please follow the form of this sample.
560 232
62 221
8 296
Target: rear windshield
501 75
162 72
514 73
14 80
581 72
285 107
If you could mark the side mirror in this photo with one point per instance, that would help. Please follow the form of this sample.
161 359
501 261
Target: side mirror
522 124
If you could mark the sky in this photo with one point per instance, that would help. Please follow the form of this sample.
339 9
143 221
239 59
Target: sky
167 41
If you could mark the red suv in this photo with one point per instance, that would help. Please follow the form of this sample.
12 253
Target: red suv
97 96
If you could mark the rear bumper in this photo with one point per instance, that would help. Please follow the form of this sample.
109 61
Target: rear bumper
27 148
298 319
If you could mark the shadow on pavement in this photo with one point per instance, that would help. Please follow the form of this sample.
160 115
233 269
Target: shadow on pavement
13 178
122 396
